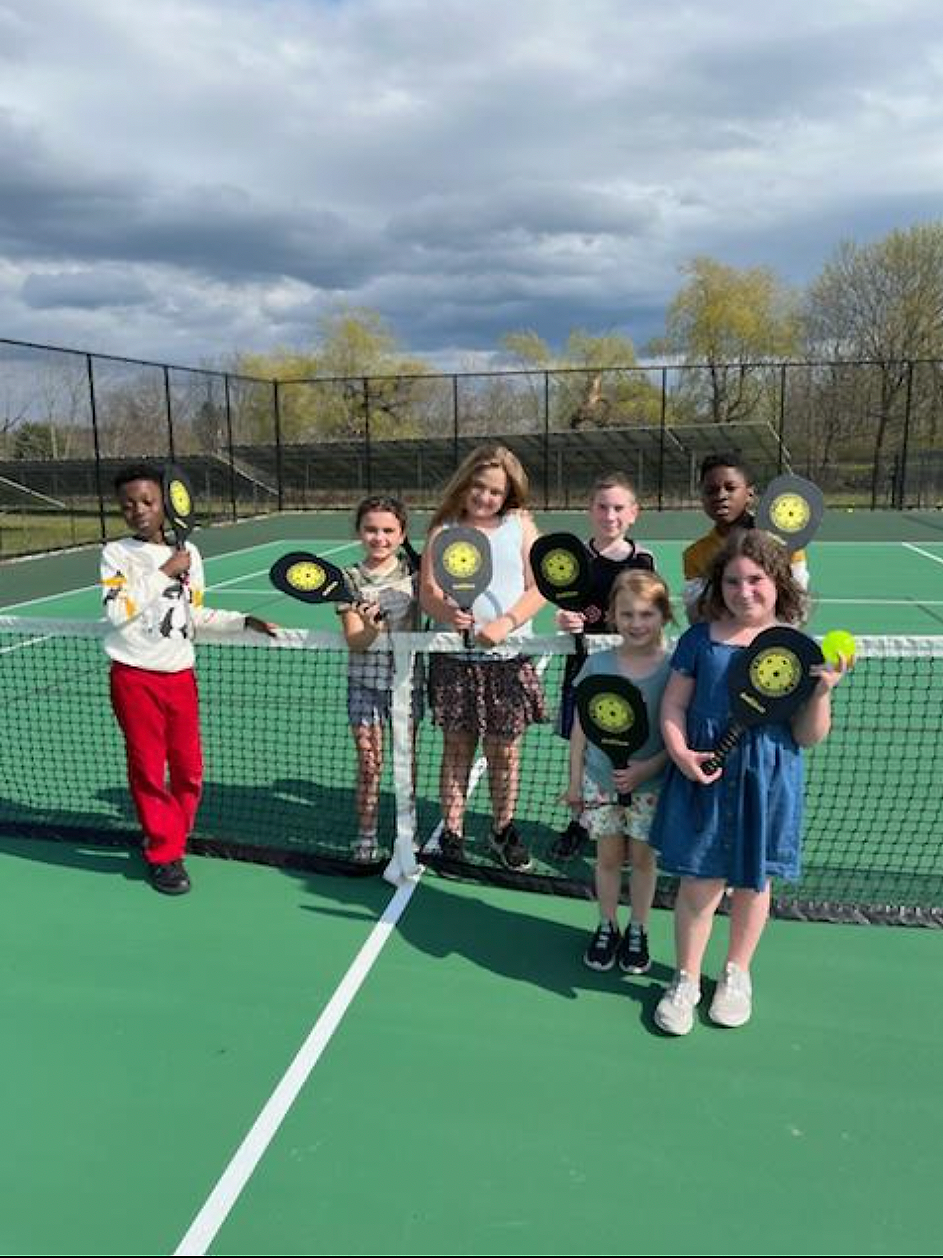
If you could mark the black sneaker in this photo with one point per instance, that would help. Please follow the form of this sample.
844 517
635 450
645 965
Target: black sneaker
170 878
510 850
569 842
633 951
452 845
601 953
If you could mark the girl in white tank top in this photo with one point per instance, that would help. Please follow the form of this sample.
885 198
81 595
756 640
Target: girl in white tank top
491 692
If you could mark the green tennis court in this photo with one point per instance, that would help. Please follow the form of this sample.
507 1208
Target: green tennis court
872 585
469 1087
485 1093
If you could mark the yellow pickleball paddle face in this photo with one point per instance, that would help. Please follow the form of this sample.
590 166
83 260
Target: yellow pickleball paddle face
180 501
461 560
611 713
776 672
560 567
790 513
306 576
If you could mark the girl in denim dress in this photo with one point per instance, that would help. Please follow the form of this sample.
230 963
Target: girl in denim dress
740 826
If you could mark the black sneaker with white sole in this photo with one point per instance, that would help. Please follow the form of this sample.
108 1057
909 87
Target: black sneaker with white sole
569 842
510 850
601 953
170 878
633 951
452 845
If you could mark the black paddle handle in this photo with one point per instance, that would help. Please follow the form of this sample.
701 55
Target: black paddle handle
361 605
622 797
723 749
180 543
468 635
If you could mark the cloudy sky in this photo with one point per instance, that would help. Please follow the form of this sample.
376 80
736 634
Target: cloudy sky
181 179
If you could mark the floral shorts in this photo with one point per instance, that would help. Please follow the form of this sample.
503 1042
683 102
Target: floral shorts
603 817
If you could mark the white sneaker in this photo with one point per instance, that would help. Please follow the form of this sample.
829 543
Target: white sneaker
675 1011
733 999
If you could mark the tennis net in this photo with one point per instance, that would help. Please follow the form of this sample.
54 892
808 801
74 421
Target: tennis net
281 767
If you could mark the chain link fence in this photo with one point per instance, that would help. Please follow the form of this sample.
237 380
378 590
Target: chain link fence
870 433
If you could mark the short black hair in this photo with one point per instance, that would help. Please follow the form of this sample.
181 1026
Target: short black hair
137 471
726 458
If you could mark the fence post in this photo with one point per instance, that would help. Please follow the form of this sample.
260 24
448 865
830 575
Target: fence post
782 418
454 422
546 440
661 438
170 417
229 449
98 460
902 474
277 417
367 448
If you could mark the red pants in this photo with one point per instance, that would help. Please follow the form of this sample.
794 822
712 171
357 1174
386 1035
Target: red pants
159 716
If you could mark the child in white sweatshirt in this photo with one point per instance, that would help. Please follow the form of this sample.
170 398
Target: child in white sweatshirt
153 597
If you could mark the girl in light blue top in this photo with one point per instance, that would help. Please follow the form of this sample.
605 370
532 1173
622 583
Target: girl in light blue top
639 609
492 692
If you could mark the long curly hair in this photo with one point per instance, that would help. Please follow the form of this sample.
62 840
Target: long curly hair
792 602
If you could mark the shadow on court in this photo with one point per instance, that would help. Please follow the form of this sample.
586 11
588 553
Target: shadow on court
114 859
495 929
499 931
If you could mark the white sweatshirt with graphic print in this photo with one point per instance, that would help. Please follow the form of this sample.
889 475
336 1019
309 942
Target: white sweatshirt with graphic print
155 617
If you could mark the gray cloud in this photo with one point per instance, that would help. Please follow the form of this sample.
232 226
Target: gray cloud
84 290
184 180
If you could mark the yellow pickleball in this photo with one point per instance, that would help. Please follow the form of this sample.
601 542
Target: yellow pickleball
839 642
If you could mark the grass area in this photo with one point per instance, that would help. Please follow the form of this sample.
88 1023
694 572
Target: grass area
23 533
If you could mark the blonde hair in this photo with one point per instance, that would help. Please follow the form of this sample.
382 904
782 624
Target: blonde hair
612 480
645 585
453 497
792 602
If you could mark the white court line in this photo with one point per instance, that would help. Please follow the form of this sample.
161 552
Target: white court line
883 602
926 553
814 546
819 602
259 571
219 1203
83 589
18 646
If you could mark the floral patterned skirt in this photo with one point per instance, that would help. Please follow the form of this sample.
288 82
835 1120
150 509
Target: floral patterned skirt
498 698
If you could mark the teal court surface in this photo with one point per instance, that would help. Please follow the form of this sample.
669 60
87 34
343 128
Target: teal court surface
291 1062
